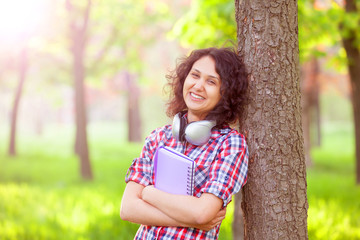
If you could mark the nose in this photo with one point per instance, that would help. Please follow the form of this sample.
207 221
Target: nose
199 84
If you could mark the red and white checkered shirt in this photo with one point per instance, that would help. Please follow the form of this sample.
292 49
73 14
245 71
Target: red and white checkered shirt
221 169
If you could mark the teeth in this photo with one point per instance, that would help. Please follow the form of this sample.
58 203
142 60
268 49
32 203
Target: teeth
196 96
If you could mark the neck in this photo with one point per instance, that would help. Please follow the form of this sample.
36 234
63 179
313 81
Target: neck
194 117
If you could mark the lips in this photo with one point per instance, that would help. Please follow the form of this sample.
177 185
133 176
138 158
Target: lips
196 96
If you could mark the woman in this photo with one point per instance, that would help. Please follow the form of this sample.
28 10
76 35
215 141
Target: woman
210 85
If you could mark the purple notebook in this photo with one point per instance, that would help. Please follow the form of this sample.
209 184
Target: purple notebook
174 172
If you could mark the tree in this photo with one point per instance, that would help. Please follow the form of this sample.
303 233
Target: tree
23 66
18 26
274 199
238 221
107 38
78 35
125 31
310 91
338 23
214 19
351 42
134 123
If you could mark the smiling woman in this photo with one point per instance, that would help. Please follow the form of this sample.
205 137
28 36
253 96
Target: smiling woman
208 91
19 19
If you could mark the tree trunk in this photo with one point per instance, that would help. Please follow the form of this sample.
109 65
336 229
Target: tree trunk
310 106
353 55
78 48
238 221
314 92
274 199
306 119
134 122
14 113
318 118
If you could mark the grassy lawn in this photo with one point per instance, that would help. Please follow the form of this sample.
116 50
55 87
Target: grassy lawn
42 196
334 199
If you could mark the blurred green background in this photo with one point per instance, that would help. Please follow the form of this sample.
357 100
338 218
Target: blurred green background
128 49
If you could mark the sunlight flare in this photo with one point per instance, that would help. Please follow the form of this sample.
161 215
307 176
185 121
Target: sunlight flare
21 18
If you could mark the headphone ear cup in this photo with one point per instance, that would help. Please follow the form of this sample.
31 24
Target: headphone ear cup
198 133
176 126
183 126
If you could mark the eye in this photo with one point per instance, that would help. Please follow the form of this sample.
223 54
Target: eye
195 75
211 82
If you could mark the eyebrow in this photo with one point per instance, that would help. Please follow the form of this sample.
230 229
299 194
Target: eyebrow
211 76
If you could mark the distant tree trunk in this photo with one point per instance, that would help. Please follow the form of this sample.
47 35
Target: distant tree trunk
238 221
353 55
310 106
306 119
134 122
78 37
317 115
15 108
315 101
274 199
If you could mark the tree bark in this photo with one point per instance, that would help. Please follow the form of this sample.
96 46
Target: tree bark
78 37
353 55
15 109
274 199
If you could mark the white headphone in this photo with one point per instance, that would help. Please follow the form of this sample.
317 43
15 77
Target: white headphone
197 133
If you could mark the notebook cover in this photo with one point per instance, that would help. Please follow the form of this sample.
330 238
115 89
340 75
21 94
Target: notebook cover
174 172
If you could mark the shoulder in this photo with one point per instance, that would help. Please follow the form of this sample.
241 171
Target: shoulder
154 139
227 132
160 133
231 137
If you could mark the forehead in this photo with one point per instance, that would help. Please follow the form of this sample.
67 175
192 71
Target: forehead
206 65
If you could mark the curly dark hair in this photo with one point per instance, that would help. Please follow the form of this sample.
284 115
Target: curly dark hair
233 90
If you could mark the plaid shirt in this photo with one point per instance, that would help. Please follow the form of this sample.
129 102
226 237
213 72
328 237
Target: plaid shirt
221 169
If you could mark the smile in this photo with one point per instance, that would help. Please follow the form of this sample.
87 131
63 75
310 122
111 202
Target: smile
196 96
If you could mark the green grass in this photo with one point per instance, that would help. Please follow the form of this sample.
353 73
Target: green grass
43 197
334 198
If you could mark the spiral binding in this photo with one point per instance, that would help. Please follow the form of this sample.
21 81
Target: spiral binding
190 180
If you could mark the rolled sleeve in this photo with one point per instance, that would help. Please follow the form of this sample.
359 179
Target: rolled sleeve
141 169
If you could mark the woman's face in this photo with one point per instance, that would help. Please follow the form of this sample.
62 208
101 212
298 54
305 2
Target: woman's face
201 90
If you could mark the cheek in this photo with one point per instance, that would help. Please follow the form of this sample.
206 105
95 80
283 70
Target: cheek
185 86
219 98
184 90
217 95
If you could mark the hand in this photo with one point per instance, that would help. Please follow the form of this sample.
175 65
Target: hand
146 192
214 222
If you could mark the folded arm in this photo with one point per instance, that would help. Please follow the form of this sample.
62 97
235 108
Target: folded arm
135 209
183 208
